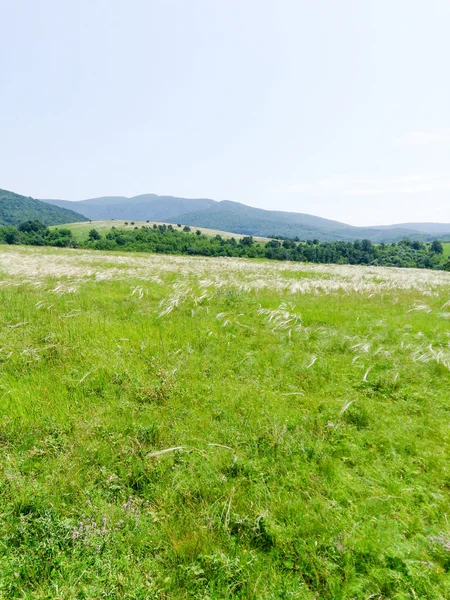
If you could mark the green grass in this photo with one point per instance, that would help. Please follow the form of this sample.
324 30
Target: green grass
314 438
81 230
446 246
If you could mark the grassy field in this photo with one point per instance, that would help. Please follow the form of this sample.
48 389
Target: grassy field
81 230
177 427
446 246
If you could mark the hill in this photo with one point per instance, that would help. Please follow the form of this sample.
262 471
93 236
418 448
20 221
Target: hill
14 209
137 208
242 219
247 220
430 228
81 231
234 216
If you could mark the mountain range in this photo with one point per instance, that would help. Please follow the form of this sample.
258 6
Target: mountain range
137 208
203 212
241 218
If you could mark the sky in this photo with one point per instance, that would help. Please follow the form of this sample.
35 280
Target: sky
339 109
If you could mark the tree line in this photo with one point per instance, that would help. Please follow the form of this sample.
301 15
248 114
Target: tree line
169 239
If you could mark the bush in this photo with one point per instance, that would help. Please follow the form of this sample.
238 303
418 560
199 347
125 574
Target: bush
94 235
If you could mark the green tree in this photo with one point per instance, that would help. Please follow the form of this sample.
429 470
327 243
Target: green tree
32 226
246 241
94 235
11 235
437 247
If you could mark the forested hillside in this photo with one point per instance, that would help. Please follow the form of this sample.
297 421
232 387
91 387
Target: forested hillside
15 209
240 218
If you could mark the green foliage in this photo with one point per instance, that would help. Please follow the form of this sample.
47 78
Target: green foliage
10 235
34 233
15 209
94 235
32 227
165 239
437 247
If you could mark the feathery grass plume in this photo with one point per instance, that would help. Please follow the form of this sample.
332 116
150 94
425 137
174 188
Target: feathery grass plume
346 407
313 360
139 291
427 354
282 317
420 306
81 266
160 458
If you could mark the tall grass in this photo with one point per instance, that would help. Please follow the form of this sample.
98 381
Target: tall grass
194 428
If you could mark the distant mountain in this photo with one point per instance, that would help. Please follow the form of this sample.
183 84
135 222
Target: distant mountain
240 218
138 208
14 209
430 228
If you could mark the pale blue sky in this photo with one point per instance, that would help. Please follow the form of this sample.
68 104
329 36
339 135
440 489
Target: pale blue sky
337 108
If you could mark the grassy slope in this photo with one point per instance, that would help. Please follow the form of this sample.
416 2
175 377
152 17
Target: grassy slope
446 248
299 478
81 230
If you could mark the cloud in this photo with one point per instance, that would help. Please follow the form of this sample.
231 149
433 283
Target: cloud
364 186
424 138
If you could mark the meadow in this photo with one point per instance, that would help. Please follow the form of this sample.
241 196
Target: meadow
179 427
